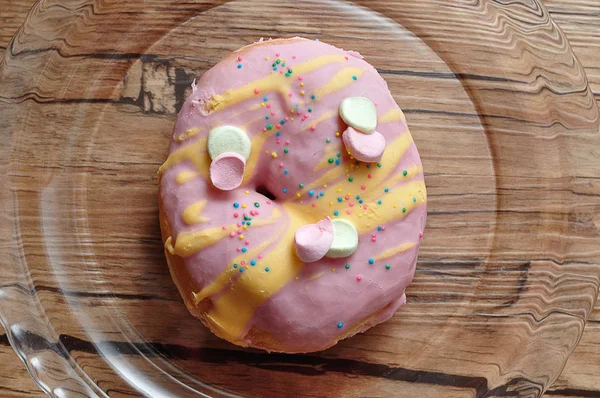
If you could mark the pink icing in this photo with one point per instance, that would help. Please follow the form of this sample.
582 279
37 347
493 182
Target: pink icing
364 147
227 171
305 313
313 241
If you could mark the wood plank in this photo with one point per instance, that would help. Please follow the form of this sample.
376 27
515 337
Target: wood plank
145 93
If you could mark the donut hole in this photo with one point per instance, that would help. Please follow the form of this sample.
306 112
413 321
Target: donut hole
263 190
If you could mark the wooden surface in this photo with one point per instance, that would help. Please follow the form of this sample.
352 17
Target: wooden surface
580 21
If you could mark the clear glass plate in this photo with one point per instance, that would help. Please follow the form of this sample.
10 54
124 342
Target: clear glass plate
501 113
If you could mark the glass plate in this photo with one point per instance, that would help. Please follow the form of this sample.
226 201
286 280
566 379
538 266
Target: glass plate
505 123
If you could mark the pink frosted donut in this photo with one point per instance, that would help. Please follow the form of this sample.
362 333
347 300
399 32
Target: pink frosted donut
231 252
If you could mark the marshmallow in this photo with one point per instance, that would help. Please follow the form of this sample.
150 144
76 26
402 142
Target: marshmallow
227 171
313 241
228 139
363 147
345 239
360 113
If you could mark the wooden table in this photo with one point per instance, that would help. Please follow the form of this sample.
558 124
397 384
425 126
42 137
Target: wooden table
580 21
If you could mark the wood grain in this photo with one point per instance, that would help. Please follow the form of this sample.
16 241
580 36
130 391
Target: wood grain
144 88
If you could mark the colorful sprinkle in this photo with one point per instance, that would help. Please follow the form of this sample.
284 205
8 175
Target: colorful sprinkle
415 200
359 278
244 250
256 91
242 269
311 192
252 262
330 159
235 265
336 213
269 126
236 205
347 266
387 266
378 164
313 97
371 261
301 185
354 78
379 202
267 269
285 171
240 66
386 190
256 204
284 190
286 150
404 173
350 179
404 210
341 324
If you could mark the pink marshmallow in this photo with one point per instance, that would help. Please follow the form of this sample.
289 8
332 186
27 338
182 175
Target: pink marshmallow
313 241
227 171
364 147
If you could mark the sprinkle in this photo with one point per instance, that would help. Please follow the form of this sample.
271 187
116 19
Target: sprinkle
243 206
244 250
240 66
415 200
337 134
256 204
340 200
246 192
328 140
281 165
313 97
301 185
336 213
373 240
341 324
421 235
310 109
260 256
298 195
314 204
267 269
286 150
330 160
359 278
379 228
267 117
244 227
284 190
313 128
350 179
236 205
337 161
311 192
290 71
347 266
348 211
301 84
285 171
290 95
253 262
232 234
363 187
371 261
256 91
322 194
379 202
241 237
404 173
265 99
387 266
354 78
269 126
273 154
378 164
333 270
235 265
240 58
278 61
404 210
242 269
247 242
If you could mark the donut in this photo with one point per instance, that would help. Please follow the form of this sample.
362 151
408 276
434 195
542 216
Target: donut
292 201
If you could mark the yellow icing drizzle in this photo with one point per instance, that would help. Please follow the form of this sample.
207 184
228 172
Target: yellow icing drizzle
195 153
276 82
185 176
340 80
234 308
224 277
191 214
169 245
189 133
391 116
188 243
394 250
